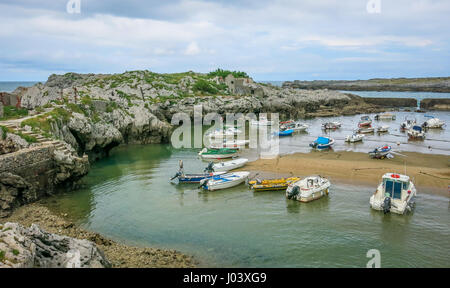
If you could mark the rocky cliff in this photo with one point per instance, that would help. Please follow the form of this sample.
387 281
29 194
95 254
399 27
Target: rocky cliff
442 104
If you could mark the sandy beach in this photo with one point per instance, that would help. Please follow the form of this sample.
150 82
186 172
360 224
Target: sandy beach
430 172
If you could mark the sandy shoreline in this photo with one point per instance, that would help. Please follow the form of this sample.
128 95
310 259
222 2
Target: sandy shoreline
430 172
120 255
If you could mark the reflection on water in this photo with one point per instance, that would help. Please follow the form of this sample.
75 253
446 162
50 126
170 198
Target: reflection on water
128 197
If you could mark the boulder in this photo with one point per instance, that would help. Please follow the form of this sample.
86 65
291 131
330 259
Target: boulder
22 247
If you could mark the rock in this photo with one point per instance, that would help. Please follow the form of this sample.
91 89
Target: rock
18 141
442 104
22 247
7 146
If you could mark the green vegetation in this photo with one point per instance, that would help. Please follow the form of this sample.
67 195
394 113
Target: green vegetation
2 255
15 252
3 131
28 138
204 86
11 112
224 73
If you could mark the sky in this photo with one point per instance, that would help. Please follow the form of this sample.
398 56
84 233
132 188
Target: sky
270 40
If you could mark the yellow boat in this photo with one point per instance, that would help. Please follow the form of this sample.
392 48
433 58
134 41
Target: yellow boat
272 184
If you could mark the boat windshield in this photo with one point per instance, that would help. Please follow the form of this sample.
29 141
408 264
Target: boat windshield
393 188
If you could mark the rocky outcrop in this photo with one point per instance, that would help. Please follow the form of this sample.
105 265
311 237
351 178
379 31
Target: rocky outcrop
392 102
14 191
442 104
438 84
22 247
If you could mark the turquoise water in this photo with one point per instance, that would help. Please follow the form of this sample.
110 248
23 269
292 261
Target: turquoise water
9 86
128 197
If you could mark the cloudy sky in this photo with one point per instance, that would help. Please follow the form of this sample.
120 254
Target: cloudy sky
271 40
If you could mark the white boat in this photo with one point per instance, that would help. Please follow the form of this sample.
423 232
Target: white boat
294 125
222 153
308 189
416 133
233 144
366 129
262 121
222 133
385 116
383 129
224 181
354 138
407 124
226 166
331 125
395 194
433 123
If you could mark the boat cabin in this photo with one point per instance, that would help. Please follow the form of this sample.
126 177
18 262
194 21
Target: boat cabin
396 186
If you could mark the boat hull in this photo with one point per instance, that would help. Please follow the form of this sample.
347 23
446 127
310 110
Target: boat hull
234 164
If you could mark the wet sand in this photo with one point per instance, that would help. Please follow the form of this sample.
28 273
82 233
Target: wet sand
430 172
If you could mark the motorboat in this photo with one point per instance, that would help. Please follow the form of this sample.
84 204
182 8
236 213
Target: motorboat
308 189
222 133
380 152
354 138
272 184
433 123
416 133
395 193
287 132
365 121
407 124
222 153
226 166
224 181
385 116
193 178
366 129
331 125
383 129
322 143
295 125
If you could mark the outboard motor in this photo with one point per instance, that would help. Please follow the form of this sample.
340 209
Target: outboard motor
294 192
209 168
387 205
176 175
203 183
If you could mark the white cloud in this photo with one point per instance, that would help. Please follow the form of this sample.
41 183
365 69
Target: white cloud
192 49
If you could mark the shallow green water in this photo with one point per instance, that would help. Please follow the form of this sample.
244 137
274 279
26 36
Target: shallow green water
128 197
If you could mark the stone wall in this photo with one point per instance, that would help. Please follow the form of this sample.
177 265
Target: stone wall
442 104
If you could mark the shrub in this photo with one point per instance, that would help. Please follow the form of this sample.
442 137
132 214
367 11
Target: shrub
11 112
224 73
204 87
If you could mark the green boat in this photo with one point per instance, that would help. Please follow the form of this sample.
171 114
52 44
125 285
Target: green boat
222 153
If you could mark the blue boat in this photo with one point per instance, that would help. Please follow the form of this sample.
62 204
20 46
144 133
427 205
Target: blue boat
193 178
287 132
380 152
322 143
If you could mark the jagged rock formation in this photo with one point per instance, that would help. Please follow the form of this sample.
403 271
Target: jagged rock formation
442 104
22 247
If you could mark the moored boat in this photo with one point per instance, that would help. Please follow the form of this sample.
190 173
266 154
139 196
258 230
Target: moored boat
395 194
233 144
433 123
380 152
223 153
385 116
407 124
223 133
294 125
192 177
354 138
272 184
226 166
287 132
322 143
331 125
308 189
383 129
366 129
224 181
416 133
365 121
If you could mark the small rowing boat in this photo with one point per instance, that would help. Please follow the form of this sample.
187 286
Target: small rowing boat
365 121
308 189
226 166
366 129
380 152
287 132
272 184
222 153
383 129
224 181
